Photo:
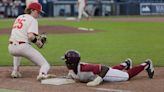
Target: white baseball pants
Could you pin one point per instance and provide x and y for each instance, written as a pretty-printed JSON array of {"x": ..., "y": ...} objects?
[
  {"x": 81, "y": 12},
  {"x": 27, "y": 51},
  {"x": 114, "y": 75}
]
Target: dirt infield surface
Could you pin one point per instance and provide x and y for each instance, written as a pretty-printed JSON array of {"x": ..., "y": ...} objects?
[
  {"x": 28, "y": 83},
  {"x": 55, "y": 30}
]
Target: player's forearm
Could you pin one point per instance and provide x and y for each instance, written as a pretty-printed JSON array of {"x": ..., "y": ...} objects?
[
  {"x": 72, "y": 75},
  {"x": 99, "y": 77},
  {"x": 104, "y": 70},
  {"x": 96, "y": 81},
  {"x": 33, "y": 38}
]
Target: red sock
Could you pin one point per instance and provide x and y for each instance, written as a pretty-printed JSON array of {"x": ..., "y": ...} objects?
[
  {"x": 119, "y": 67},
  {"x": 135, "y": 70}
]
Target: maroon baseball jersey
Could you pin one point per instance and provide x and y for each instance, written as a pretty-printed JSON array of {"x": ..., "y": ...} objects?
[{"x": 87, "y": 72}]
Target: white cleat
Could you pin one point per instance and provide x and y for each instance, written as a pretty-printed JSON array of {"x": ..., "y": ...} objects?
[
  {"x": 45, "y": 76},
  {"x": 41, "y": 77},
  {"x": 16, "y": 74}
]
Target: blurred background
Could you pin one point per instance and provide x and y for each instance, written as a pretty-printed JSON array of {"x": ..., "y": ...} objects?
[{"x": 55, "y": 8}]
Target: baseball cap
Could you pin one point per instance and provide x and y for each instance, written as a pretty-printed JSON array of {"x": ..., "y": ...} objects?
[{"x": 35, "y": 5}]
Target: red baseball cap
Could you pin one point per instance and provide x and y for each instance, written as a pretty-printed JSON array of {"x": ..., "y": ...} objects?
[{"x": 36, "y": 6}]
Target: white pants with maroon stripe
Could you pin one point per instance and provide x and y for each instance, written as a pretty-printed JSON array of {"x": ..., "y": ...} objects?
[
  {"x": 114, "y": 75},
  {"x": 27, "y": 51}
]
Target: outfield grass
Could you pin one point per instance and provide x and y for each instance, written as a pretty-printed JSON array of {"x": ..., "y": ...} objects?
[{"x": 115, "y": 42}]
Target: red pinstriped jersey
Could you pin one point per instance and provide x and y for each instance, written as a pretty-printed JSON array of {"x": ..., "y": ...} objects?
[{"x": 23, "y": 25}]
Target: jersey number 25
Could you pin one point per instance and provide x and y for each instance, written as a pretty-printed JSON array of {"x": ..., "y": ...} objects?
[{"x": 18, "y": 23}]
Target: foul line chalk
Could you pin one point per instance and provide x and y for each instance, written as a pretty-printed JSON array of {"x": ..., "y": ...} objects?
[{"x": 111, "y": 90}]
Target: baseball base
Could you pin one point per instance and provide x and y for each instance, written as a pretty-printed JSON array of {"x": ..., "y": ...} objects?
[
  {"x": 57, "y": 81},
  {"x": 85, "y": 29}
]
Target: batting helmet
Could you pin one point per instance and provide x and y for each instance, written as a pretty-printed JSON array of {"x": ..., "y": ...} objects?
[
  {"x": 72, "y": 56},
  {"x": 36, "y": 6}
]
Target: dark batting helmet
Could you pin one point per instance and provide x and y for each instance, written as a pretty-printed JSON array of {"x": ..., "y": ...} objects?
[{"x": 72, "y": 56}]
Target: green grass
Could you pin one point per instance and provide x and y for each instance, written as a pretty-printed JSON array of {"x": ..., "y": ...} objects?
[{"x": 115, "y": 42}]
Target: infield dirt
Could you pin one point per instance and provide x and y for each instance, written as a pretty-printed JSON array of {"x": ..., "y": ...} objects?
[{"x": 28, "y": 82}]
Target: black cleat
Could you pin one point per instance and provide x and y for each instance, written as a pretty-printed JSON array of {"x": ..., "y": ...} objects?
[
  {"x": 128, "y": 62},
  {"x": 150, "y": 68}
]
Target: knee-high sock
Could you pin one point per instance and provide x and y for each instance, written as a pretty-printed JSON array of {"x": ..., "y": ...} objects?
[
  {"x": 119, "y": 67},
  {"x": 136, "y": 70},
  {"x": 16, "y": 63}
]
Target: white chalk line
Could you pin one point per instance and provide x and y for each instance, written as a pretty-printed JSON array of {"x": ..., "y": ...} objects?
[{"x": 111, "y": 90}]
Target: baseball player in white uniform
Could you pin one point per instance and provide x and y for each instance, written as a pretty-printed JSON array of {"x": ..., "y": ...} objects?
[
  {"x": 81, "y": 9},
  {"x": 94, "y": 74},
  {"x": 25, "y": 31}
]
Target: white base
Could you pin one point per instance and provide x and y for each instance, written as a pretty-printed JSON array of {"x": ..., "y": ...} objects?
[
  {"x": 70, "y": 18},
  {"x": 85, "y": 29},
  {"x": 57, "y": 81}
]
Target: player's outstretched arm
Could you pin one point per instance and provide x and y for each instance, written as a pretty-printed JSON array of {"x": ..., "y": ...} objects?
[{"x": 99, "y": 77}]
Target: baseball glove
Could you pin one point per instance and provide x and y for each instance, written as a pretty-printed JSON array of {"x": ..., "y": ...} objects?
[{"x": 43, "y": 38}]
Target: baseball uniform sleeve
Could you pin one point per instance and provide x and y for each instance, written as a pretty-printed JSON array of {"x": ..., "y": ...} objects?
[
  {"x": 95, "y": 68},
  {"x": 33, "y": 28}
]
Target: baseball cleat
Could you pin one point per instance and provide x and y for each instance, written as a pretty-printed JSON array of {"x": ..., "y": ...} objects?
[
  {"x": 41, "y": 77},
  {"x": 128, "y": 62},
  {"x": 45, "y": 76},
  {"x": 16, "y": 74},
  {"x": 150, "y": 68}
]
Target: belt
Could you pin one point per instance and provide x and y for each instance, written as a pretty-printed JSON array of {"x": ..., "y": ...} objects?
[{"x": 17, "y": 42}]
